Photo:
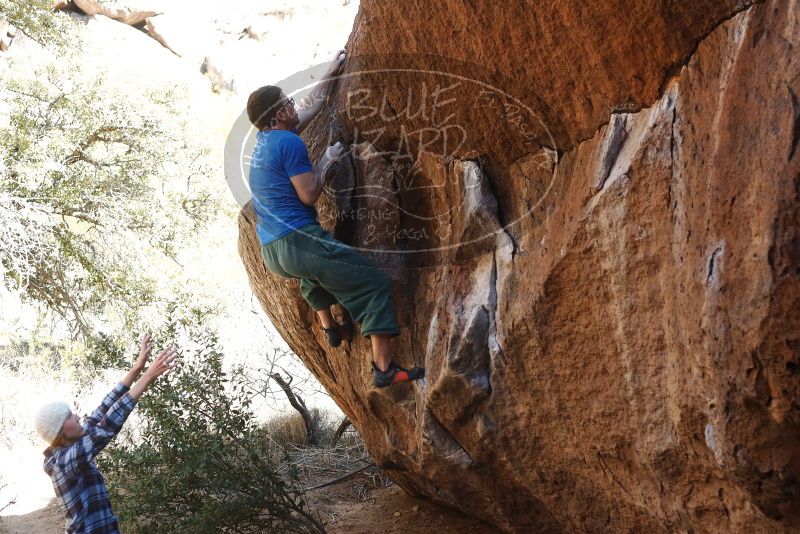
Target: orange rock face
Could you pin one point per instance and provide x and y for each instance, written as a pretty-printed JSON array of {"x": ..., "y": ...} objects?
[{"x": 591, "y": 216}]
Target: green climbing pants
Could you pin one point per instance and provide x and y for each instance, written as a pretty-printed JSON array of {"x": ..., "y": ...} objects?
[{"x": 331, "y": 271}]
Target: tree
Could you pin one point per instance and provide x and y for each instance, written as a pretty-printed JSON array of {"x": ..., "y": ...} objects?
[
  {"x": 298, "y": 404},
  {"x": 37, "y": 20},
  {"x": 97, "y": 188}
]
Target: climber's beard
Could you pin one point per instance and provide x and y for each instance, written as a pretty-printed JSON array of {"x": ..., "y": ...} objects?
[{"x": 294, "y": 119}]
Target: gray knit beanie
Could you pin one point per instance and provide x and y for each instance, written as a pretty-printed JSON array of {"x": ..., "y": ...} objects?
[{"x": 50, "y": 418}]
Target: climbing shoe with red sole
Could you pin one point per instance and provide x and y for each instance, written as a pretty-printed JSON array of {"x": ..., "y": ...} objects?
[{"x": 395, "y": 375}]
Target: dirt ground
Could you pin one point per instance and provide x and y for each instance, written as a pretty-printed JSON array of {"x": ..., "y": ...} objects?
[
  {"x": 357, "y": 506},
  {"x": 47, "y": 520},
  {"x": 361, "y": 505}
]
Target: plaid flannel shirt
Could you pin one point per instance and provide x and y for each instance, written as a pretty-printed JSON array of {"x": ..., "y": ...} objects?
[{"x": 79, "y": 486}]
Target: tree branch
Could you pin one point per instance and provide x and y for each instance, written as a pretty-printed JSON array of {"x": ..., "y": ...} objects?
[
  {"x": 340, "y": 479},
  {"x": 340, "y": 430},
  {"x": 298, "y": 404}
]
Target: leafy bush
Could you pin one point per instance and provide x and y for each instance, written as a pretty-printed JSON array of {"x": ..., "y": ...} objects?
[{"x": 199, "y": 463}]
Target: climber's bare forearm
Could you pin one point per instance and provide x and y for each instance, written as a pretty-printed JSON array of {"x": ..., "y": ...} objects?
[
  {"x": 317, "y": 191},
  {"x": 308, "y": 186},
  {"x": 312, "y": 104},
  {"x": 320, "y": 169}
]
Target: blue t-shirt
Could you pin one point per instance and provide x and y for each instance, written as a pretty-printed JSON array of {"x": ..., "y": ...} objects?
[{"x": 277, "y": 156}]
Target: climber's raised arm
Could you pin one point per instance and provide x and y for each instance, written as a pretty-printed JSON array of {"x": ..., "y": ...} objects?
[{"x": 312, "y": 103}]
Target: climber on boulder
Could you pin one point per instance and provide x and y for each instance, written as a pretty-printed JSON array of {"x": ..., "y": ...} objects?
[{"x": 285, "y": 186}]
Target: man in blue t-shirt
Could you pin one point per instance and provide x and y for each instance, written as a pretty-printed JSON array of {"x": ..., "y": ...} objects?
[{"x": 285, "y": 185}]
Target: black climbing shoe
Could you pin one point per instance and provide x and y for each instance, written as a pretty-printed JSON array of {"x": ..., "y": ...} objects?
[
  {"x": 334, "y": 336},
  {"x": 347, "y": 330},
  {"x": 338, "y": 332},
  {"x": 395, "y": 375}
]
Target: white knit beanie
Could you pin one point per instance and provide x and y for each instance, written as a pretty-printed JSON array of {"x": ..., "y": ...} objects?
[{"x": 50, "y": 418}]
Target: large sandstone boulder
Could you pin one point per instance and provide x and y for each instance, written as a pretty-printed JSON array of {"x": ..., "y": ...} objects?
[{"x": 594, "y": 239}]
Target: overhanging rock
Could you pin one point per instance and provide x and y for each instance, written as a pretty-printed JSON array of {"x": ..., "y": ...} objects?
[{"x": 602, "y": 276}]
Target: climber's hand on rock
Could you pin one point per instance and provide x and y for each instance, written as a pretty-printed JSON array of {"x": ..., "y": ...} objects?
[
  {"x": 332, "y": 153},
  {"x": 337, "y": 62},
  {"x": 335, "y": 151}
]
